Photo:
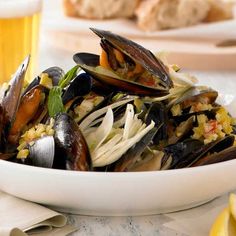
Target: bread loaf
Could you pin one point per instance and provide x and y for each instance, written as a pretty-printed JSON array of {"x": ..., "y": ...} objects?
[
  {"x": 100, "y": 9},
  {"x": 165, "y": 14},
  {"x": 153, "y": 15},
  {"x": 219, "y": 10}
]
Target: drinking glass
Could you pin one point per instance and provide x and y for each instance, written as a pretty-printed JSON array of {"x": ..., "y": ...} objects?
[{"x": 19, "y": 35}]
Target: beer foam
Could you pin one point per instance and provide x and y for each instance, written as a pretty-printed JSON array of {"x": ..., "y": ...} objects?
[{"x": 19, "y": 8}]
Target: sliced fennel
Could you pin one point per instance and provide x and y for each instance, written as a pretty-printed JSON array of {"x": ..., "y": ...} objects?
[
  {"x": 96, "y": 138},
  {"x": 115, "y": 152},
  {"x": 108, "y": 143},
  {"x": 92, "y": 117},
  {"x": 128, "y": 121}
]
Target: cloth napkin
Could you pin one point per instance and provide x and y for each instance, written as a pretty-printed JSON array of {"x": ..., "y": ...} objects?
[
  {"x": 21, "y": 218},
  {"x": 197, "y": 221}
]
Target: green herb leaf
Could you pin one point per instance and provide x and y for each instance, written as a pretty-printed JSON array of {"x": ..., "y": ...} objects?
[
  {"x": 55, "y": 104},
  {"x": 68, "y": 77}
]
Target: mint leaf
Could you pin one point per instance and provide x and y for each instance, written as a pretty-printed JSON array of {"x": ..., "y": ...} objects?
[{"x": 55, "y": 104}]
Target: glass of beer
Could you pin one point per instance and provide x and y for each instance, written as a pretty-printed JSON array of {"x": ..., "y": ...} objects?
[{"x": 19, "y": 35}]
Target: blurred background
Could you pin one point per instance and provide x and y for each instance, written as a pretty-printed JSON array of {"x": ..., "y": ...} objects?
[{"x": 194, "y": 36}]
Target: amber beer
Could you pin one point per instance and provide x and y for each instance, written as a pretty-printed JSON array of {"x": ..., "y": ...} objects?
[{"x": 19, "y": 35}]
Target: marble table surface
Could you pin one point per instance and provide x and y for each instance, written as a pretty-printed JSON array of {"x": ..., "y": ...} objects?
[{"x": 142, "y": 225}]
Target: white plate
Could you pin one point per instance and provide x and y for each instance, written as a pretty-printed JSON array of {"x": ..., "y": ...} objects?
[{"x": 141, "y": 193}]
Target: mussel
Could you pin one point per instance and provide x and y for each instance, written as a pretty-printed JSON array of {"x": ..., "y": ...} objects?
[
  {"x": 127, "y": 112},
  {"x": 194, "y": 100},
  {"x": 10, "y": 103},
  {"x": 80, "y": 86},
  {"x": 65, "y": 149},
  {"x": 218, "y": 151},
  {"x": 48, "y": 78},
  {"x": 158, "y": 113},
  {"x": 179, "y": 151},
  {"x": 32, "y": 102},
  {"x": 28, "y": 108},
  {"x": 71, "y": 142},
  {"x": 126, "y": 66},
  {"x": 213, "y": 152}
]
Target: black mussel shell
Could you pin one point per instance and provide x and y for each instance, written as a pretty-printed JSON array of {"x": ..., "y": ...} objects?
[
  {"x": 55, "y": 73},
  {"x": 80, "y": 86},
  {"x": 181, "y": 150},
  {"x": 11, "y": 101},
  {"x": 90, "y": 62},
  {"x": 217, "y": 151},
  {"x": 138, "y": 54},
  {"x": 70, "y": 144},
  {"x": 33, "y": 84},
  {"x": 225, "y": 155},
  {"x": 206, "y": 150},
  {"x": 157, "y": 112},
  {"x": 194, "y": 95},
  {"x": 179, "y": 132}
]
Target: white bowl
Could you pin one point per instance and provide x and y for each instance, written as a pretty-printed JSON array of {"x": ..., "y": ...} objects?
[{"x": 140, "y": 193}]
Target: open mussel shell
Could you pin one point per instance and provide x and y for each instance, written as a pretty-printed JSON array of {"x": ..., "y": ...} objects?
[
  {"x": 175, "y": 134},
  {"x": 32, "y": 106},
  {"x": 139, "y": 54},
  {"x": 42, "y": 152},
  {"x": 27, "y": 111},
  {"x": 195, "y": 101},
  {"x": 90, "y": 63},
  {"x": 11, "y": 101},
  {"x": 217, "y": 151},
  {"x": 179, "y": 151},
  {"x": 71, "y": 144},
  {"x": 80, "y": 86},
  {"x": 225, "y": 155},
  {"x": 197, "y": 94},
  {"x": 54, "y": 73},
  {"x": 194, "y": 158},
  {"x": 66, "y": 149},
  {"x": 157, "y": 112}
]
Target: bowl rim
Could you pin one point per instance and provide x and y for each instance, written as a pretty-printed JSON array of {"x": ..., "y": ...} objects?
[{"x": 190, "y": 170}]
